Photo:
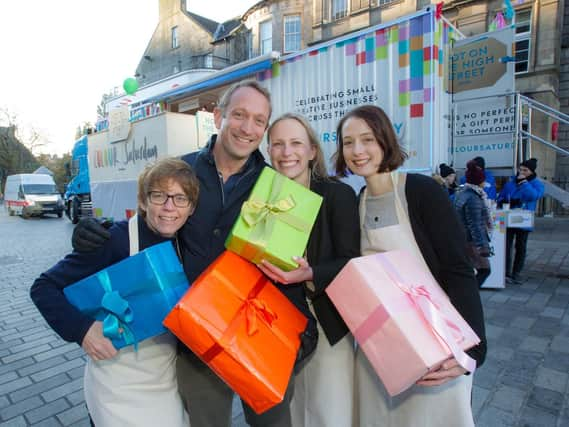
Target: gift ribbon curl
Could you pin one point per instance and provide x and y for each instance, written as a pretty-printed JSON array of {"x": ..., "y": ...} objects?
[
  {"x": 255, "y": 211},
  {"x": 119, "y": 313},
  {"x": 252, "y": 309},
  {"x": 435, "y": 319}
]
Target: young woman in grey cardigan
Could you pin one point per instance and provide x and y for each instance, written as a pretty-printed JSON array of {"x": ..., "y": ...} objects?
[{"x": 410, "y": 212}]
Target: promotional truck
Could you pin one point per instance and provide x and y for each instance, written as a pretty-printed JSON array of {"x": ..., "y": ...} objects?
[
  {"x": 116, "y": 156},
  {"x": 30, "y": 194},
  {"x": 401, "y": 66}
]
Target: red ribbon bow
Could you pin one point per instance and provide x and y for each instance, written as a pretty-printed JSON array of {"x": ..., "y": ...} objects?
[{"x": 254, "y": 309}]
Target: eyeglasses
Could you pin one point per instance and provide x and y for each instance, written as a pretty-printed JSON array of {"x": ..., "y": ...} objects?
[{"x": 160, "y": 198}]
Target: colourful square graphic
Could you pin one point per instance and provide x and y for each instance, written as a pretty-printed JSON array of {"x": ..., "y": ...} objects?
[
  {"x": 393, "y": 34},
  {"x": 416, "y": 43},
  {"x": 350, "y": 49},
  {"x": 404, "y": 32},
  {"x": 416, "y": 110},
  {"x": 416, "y": 27},
  {"x": 380, "y": 38},
  {"x": 381, "y": 52},
  {"x": 404, "y": 86},
  {"x": 416, "y": 63},
  {"x": 403, "y": 47}
]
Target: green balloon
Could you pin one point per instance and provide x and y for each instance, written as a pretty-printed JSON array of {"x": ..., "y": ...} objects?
[{"x": 130, "y": 85}]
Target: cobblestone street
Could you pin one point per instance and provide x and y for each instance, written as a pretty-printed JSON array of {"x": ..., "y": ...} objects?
[{"x": 524, "y": 381}]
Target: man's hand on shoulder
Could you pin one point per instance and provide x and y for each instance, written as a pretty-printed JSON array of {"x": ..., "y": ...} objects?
[{"x": 90, "y": 234}]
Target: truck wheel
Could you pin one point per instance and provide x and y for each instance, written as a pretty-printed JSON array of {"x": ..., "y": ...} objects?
[
  {"x": 10, "y": 212},
  {"x": 74, "y": 211},
  {"x": 60, "y": 214}
]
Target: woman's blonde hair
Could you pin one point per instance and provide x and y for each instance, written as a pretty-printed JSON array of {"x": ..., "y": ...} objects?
[
  {"x": 317, "y": 165},
  {"x": 157, "y": 175}
]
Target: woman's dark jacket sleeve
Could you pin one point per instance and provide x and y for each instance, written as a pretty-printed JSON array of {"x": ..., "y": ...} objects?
[
  {"x": 341, "y": 212},
  {"x": 47, "y": 290},
  {"x": 441, "y": 239},
  {"x": 334, "y": 240}
]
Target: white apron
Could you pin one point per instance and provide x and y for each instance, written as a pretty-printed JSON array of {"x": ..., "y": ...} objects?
[
  {"x": 420, "y": 406},
  {"x": 323, "y": 389},
  {"x": 136, "y": 388}
]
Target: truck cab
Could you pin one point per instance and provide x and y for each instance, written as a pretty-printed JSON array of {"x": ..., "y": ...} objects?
[{"x": 78, "y": 191}]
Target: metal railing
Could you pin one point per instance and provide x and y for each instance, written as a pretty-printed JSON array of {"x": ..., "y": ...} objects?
[
  {"x": 557, "y": 190},
  {"x": 526, "y": 109}
]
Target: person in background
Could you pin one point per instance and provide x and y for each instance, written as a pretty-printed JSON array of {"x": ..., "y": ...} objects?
[
  {"x": 323, "y": 390},
  {"x": 447, "y": 179},
  {"x": 409, "y": 212},
  {"x": 126, "y": 387},
  {"x": 472, "y": 209},
  {"x": 521, "y": 191},
  {"x": 490, "y": 181}
]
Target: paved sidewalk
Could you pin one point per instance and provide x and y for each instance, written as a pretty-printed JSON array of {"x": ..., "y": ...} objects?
[{"x": 524, "y": 381}]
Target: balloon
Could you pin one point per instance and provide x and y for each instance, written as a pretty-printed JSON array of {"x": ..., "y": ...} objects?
[{"x": 130, "y": 86}]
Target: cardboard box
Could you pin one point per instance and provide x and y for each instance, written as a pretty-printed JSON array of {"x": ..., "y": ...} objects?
[
  {"x": 398, "y": 314},
  {"x": 134, "y": 294},
  {"x": 520, "y": 218},
  {"x": 243, "y": 327},
  {"x": 275, "y": 222}
]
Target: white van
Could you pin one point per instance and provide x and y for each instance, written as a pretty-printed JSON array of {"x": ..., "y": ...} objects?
[{"x": 29, "y": 194}]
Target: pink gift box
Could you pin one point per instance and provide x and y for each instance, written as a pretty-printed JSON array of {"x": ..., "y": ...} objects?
[{"x": 400, "y": 317}]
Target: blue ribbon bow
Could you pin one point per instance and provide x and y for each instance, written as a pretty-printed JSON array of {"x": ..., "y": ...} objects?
[{"x": 119, "y": 313}]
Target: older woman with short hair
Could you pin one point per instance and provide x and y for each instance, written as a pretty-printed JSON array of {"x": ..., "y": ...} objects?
[{"x": 125, "y": 387}]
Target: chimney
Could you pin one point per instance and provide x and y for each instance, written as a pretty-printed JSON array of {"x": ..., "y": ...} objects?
[{"x": 168, "y": 8}]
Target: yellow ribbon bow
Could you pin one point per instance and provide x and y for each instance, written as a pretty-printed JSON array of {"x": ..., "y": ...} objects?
[{"x": 256, "y": 211}]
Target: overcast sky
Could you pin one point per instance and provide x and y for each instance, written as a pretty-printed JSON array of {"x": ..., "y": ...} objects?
[{"x": 60, "y": 56}]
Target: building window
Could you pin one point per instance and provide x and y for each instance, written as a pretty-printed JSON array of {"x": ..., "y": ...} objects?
[
  {"x": 175, "y": 41},
  {"x": 208, "y": 61},
  {"x": 266, "y": 37},
  {"x": 339, "y": 9},
  {"x": 249, "y": 41},
  {"x": 292, "y": 33},
  {"x": 380, "y": 2},
  {"x": 523, "y": 36},
  {"x": 362, "y": 4}
]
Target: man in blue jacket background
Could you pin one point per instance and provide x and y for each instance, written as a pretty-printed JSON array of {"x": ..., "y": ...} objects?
[{"x": 521, "y": 191}]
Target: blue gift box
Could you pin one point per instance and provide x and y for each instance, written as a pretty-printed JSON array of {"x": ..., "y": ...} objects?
[{"x": 133, "y": 296}]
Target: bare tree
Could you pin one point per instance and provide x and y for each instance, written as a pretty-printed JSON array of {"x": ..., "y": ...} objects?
[
  {"x": 102, "y": 107},
  {"x": 27, "y": 133}
]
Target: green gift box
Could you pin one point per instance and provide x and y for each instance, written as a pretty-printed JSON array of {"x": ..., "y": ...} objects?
[{"x": 275, "y": 222}]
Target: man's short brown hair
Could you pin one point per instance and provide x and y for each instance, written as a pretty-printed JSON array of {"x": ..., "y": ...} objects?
[{"x": 225, "y": 99}]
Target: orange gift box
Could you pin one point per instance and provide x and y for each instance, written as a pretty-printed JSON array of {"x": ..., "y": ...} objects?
[{"x": 243, "y": 327}]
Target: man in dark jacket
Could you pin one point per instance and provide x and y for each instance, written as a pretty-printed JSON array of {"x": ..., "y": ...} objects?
[{"x": 227, "y": 169}]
